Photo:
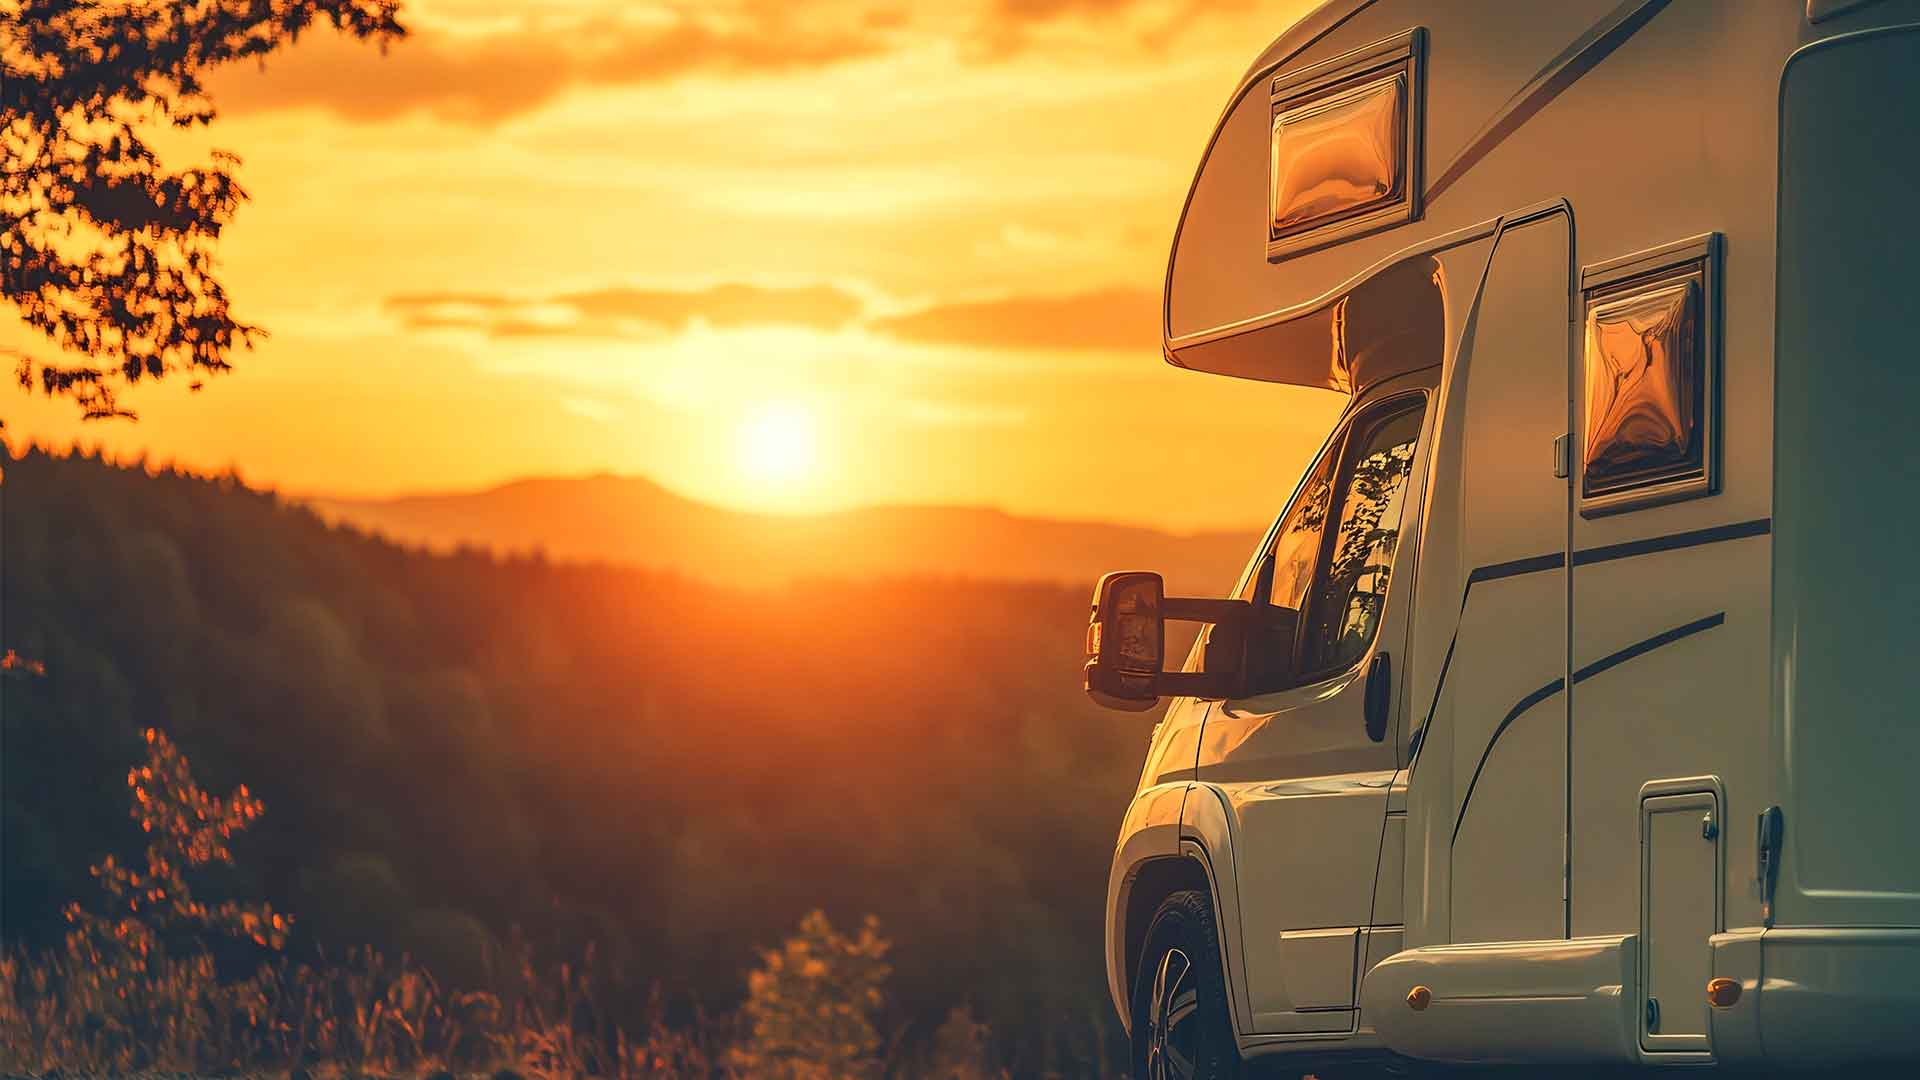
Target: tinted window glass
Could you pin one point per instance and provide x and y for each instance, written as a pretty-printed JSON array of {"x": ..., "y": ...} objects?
[
  {"x": 1283, "y": 574},
  {"x": 1296, "y": 547},
  {"x": 1344, "y": 602}
]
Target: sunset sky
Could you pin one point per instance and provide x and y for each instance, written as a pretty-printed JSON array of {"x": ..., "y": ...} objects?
[{"x": 774, "y": 255}]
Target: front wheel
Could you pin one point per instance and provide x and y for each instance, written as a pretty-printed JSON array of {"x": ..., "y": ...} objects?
[{"x": 1181, "y": 1027}]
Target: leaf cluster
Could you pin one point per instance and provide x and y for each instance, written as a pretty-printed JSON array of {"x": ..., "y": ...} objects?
[{"x": 104, "y": 249}]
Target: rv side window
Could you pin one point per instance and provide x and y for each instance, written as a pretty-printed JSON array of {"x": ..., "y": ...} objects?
[{"x": 1344, "y": 603}]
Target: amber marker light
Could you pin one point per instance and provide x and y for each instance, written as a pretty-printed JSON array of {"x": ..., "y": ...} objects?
[
  {"x": 1419, "y": 998},
  {"x": 1723, "y": 992}
]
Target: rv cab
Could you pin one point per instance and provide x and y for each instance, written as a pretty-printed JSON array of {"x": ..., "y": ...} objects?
[{"x": 1566, "y": 710}]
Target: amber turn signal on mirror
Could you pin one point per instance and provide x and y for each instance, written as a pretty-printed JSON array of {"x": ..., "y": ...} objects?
[{"x": 1723, "y": 992}]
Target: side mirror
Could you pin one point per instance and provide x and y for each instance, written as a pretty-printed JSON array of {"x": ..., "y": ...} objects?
[{"x": 1127, "y": 642}]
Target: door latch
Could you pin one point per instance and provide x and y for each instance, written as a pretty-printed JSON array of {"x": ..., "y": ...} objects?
[
  {"x": 1767, "y": 860},
  {"x": 1563, "y": 456}
]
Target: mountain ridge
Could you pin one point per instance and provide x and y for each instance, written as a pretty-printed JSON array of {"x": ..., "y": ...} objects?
[{"x": 634, "y": 521}]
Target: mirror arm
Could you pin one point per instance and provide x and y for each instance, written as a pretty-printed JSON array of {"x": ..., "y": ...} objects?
[
  {"x": 1239, "y": 615},
  {"x": 1235, "y": 623},
  {"x": 1199, "y": 609}
]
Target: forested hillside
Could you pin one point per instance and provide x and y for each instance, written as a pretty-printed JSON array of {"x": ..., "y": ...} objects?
[{"x": 450, "y": 747}]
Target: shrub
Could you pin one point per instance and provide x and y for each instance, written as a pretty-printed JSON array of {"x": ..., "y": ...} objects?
[
  {"x": 961, "y": 1049},
  {"x": 812, "y": 1004},
  {"x": 135, "y": 984}
]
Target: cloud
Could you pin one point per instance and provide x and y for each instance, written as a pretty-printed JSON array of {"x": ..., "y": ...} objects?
[
  {"x": 484, "y": 73},
  {"x": 1052, "y": 9},
  {"x": 689, "y": 47},
  {"x": 1116, "y": 318},
  {"x": 482, "y": 79},
  {"x": 482, "y": 301},
  {"x": 626, "y": 312},
  {"x": 1100, "y": 319},
  {"x": 1013, "y": 27},
  {"x": 819, "y": 306}
]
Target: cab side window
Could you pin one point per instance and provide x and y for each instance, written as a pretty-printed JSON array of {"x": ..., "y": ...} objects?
[
  {"x": 1285, "y": 573},
  {"x": 1342, "y": 606},
  {"x": 1296, "y": 546}
]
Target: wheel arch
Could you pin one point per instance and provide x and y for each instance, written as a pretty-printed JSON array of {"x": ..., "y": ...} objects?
[
  {"x": 1154, "y": 881},
  {"x": 1143, "y": 876},
  {"x": 1206, "y": 837}
]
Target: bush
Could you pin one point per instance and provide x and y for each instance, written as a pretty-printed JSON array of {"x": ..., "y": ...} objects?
[
  {"x": 136, "y": 984},
  {"x": 812, "y": 1003},
  {"x": 961, "y": 1049}
]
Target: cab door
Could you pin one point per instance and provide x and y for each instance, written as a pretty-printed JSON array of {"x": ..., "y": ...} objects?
[{"x": 1303, "y": 781}]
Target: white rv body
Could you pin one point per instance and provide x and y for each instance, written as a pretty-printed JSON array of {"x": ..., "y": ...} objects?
[{"x": 1643, "y": 734}]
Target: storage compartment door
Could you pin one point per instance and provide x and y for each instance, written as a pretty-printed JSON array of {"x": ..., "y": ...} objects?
[{"x": 1680, "y": 883}]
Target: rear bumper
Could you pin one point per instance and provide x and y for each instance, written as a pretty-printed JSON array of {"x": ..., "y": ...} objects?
[{"x": 1816, "y": 996}]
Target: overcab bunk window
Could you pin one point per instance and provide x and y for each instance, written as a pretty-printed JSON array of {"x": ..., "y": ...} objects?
[{"x": 1346, "y": 146}]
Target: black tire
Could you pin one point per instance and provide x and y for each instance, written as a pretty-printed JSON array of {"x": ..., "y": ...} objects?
[{"x": 1182, "y": 1029}]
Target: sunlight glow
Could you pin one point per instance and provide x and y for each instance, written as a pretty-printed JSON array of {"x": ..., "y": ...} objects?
[{"x": 779, "y": 441}]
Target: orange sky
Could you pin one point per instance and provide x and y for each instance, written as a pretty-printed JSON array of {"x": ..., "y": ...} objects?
[{"x": 595, "y": 235}]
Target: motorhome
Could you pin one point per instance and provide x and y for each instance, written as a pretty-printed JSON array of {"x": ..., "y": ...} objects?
[{"x": 1568, "y": 710}]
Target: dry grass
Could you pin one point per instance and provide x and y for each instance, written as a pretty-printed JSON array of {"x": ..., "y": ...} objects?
[{"x": 365, "y": 1015}]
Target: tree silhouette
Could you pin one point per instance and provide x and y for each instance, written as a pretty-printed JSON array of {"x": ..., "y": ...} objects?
[{"x": 103, "y": 249}]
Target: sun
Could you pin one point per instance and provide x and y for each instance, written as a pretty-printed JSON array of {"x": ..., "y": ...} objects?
[{"x": 779, "y": 441}]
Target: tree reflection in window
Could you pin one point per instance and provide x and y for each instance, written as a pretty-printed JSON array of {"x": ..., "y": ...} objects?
[
  {"x": 1297, "y": 546},
  {"x": 1347, "y": 596}
]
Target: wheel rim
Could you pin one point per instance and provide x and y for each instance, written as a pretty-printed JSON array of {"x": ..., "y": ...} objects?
[{"x": 1172, "y": 1015}]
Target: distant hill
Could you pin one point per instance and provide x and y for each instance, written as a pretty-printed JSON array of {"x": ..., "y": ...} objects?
[{"x": 632, "y": 521}]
